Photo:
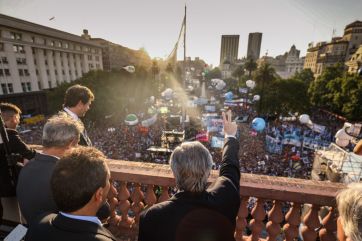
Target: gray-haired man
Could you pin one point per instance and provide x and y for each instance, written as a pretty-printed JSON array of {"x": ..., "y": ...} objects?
[
  {"x": 60, "y": 134},
  {"x": 197, "y": 212}
]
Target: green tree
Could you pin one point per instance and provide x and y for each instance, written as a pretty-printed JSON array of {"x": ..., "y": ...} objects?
[
  {"x": 215, "y": 73},
  {"x": 306, "y": 76},
  {"x": 238, "y": 72},
  {"x": 250, "y": 65}
]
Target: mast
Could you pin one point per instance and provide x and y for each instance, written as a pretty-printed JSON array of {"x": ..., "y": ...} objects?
[{"x": 184, "y": 80}]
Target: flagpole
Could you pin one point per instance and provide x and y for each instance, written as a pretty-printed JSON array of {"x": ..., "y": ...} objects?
[{"x": 184, "y": 80}]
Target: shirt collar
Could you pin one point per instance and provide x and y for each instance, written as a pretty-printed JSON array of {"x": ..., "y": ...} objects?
[
  {"x": 93, "y": 219},
  {"x": 72, "y": 114}
]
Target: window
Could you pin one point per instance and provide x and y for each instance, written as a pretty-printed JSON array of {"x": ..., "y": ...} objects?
[
  {"x": 52, "y": 43},
  {"x": 1, "y": 72},
  {"x": 50, "y": 84},
  {"x": 7, "y": 72},
  {"x": 45, "y": 52},
  {"x": 16, "y": 36},
  {"x": 21, "y": 60},
  {"x": 10, "y": 88},
  {"x": 97, "y": 58},
  {"x": 48, "y": 72},
  {"x": 23, "y": 86},
  {"x": 89, "y": 57},
  {"x": 70, "y": 72},
  {"x": 26, "y": 72},
  {"x": 21, "y": 72},
  {"x": 4, "y": 60},
  {"x": 1, "y": 46},
  {"x": 34, "y": 61},
  {"x": 32, "y": 39},
  {"x": 63, "y": 72},
  {"x": 28, "y": 86},
  {"x": 37, "y": 72},
  {"x": 4, "y": 89},
  {"x": 39, "y": 85},
  {"x": 46, "y": 62},
  {"x": 56, "y": 72},
  {"x": 66, "y": 45},
  {"x": 33, "y": 50},
  {"x": 90, "y": 66},
  {"x": 18, "y": 48},
  {"x": 59, "y": 44}
]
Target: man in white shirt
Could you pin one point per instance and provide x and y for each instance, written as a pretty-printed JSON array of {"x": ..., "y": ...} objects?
[{"x": 77, "y": 101}]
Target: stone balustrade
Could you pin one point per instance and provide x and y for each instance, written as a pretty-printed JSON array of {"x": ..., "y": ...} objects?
[{"x": 272, "y": 208}]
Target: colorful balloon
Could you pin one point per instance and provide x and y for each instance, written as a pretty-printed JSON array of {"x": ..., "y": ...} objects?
[{"x": 258, "y": 124}]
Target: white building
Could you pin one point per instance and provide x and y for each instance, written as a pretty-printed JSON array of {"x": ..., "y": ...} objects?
[{"x": 35, "y": 57}]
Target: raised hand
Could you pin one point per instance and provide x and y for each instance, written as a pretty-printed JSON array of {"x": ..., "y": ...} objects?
[{"x": 230, "y": 127}]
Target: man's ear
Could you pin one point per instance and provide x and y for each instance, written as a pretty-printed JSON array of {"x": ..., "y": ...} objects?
[{"x": 98, "y": 195}]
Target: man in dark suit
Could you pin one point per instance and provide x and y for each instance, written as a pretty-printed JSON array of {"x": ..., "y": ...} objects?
[
  {"x": 60, "y": 134},
  {"x": 195, "y": 213},
  {"x": 77, "y": 101},
  {"x": 80, "y": 184},
  {"x": 8, "y": 178}
]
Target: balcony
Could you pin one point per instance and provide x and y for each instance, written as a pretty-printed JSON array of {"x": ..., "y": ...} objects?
[{"x": 291, "y": 202}]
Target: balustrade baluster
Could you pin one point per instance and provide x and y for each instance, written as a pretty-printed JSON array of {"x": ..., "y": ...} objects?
[
  {"x": 275, "y": 218},
  {"x": 113, "y": 202},
  {"x": 311, "y": 223},
  {"x": 124, "y": 204},
  {"x": 137, "y": 204},
  {"x": 327, "y": 233},
  {"x": 150, "y": 198},
  {"x": 241, "y": 218},
  {"x": 164, "y": 195},
  {"x": 256, "y": 223},
  {"x": 291, "y": 228}
]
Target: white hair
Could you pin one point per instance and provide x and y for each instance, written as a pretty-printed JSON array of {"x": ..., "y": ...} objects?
[
  {"x": 60, "y": 131},
  {"x": 349, "y": 203},
  {"x": 191, "y": 164}
]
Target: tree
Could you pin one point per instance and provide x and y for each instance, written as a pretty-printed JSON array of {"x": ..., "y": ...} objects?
[
  {"x": 306, "y": 76},
  {"x": 250, "y": 66},
  {"x": 169, "y": 68},
  {"x": 215, "y": 73},
  {"x": 238, "y": 72},
  {"x": 155, "y": 69}
]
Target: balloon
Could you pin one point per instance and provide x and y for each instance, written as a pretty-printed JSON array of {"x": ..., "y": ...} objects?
[
  {"x": 304, "y": 119},
  {"x": 152, "y": 99},
  {"x": 258, "y": 124},
  {"x": 167, "y": 94},
  {"x": 218, "y": 83},
  {"x": 360, "y": 72},
  {"x": 250, "y": 83},
  {"x": 342, "y": 142},
  {"x": 131, "y": 119},
  {"x": 229, "y": 95},
  {"x": 341, "y": 134},
  {"x": 256, "y": 97},
  {"x": 190, "y": 87},
  {"x": 130, "y": 68}
]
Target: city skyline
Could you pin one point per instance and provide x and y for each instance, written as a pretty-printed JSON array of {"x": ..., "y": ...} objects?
[{"x": 155, "y": 25}]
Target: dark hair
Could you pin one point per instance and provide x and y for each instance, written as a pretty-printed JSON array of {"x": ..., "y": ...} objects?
[
  {"x": 77, "y": 176},
  {"x": 77, "y": 93}
]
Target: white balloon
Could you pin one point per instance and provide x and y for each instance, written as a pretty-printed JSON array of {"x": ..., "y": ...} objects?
[
  {"x": 130, "y": 68},
  {"x": 256, "y": 97},
  {"x": 167, "y": 94},
  {"x": 342, "y": 142},
  {"x": 304, "y": 119},
  {"x": 250, "y": 83},
  {"x": 341, "y": 134},
  {"x": 152, "y": 99}
]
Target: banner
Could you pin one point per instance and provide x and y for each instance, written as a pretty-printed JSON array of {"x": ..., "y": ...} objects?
[
  {"x": 217, "y": 142},
  {"x": 243, "y": 90},
  {"x": 150, "y": 121},
  {"x": 316, "y": 127},
  {"x": 210, "y": 108},
  {"x": 273, "y": 145},
  {"x": 216, "y": 125},
  {"x": 202, "y": 136}
]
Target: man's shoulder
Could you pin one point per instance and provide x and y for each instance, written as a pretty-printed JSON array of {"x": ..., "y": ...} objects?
[{"x": 158, "y": 209}]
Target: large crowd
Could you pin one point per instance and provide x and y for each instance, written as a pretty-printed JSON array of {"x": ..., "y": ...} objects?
[{"x": 120, "y": 141}]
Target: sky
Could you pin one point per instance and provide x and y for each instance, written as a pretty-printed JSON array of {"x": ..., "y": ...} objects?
[{"x": 155, "y": 24}]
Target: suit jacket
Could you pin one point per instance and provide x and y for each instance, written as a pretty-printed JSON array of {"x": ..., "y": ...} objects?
[
  {"x": 17, "y": 146},
  {"x": 84, "y": 139},
  {"x": 210, "y": 215},
  {"x": 57, "y": 227},
  {"x": 33, "y": 189}
]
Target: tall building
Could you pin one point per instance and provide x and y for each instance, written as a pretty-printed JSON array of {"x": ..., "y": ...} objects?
[
  {"x": 254, "y": 44},
  {"x": 355, "y": 63},
  {"x": 35, "y": 57},
  {"x": 353, "y": 34},
  {"x": 229, "y": 48}
]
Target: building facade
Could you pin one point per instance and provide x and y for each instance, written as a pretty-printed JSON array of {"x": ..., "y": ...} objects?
[
  {"x": 355, "y": 63},
  {"x": 35, "y": 57},
  {"x": 254, "y": 44},
  {"x": 285, "y": 65},
  {"x": 229, "y": 48},
  {"x": 338, "y": 51}
]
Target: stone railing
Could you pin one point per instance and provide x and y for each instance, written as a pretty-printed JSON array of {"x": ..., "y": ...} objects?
[{"x": 292, "y": 202}]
